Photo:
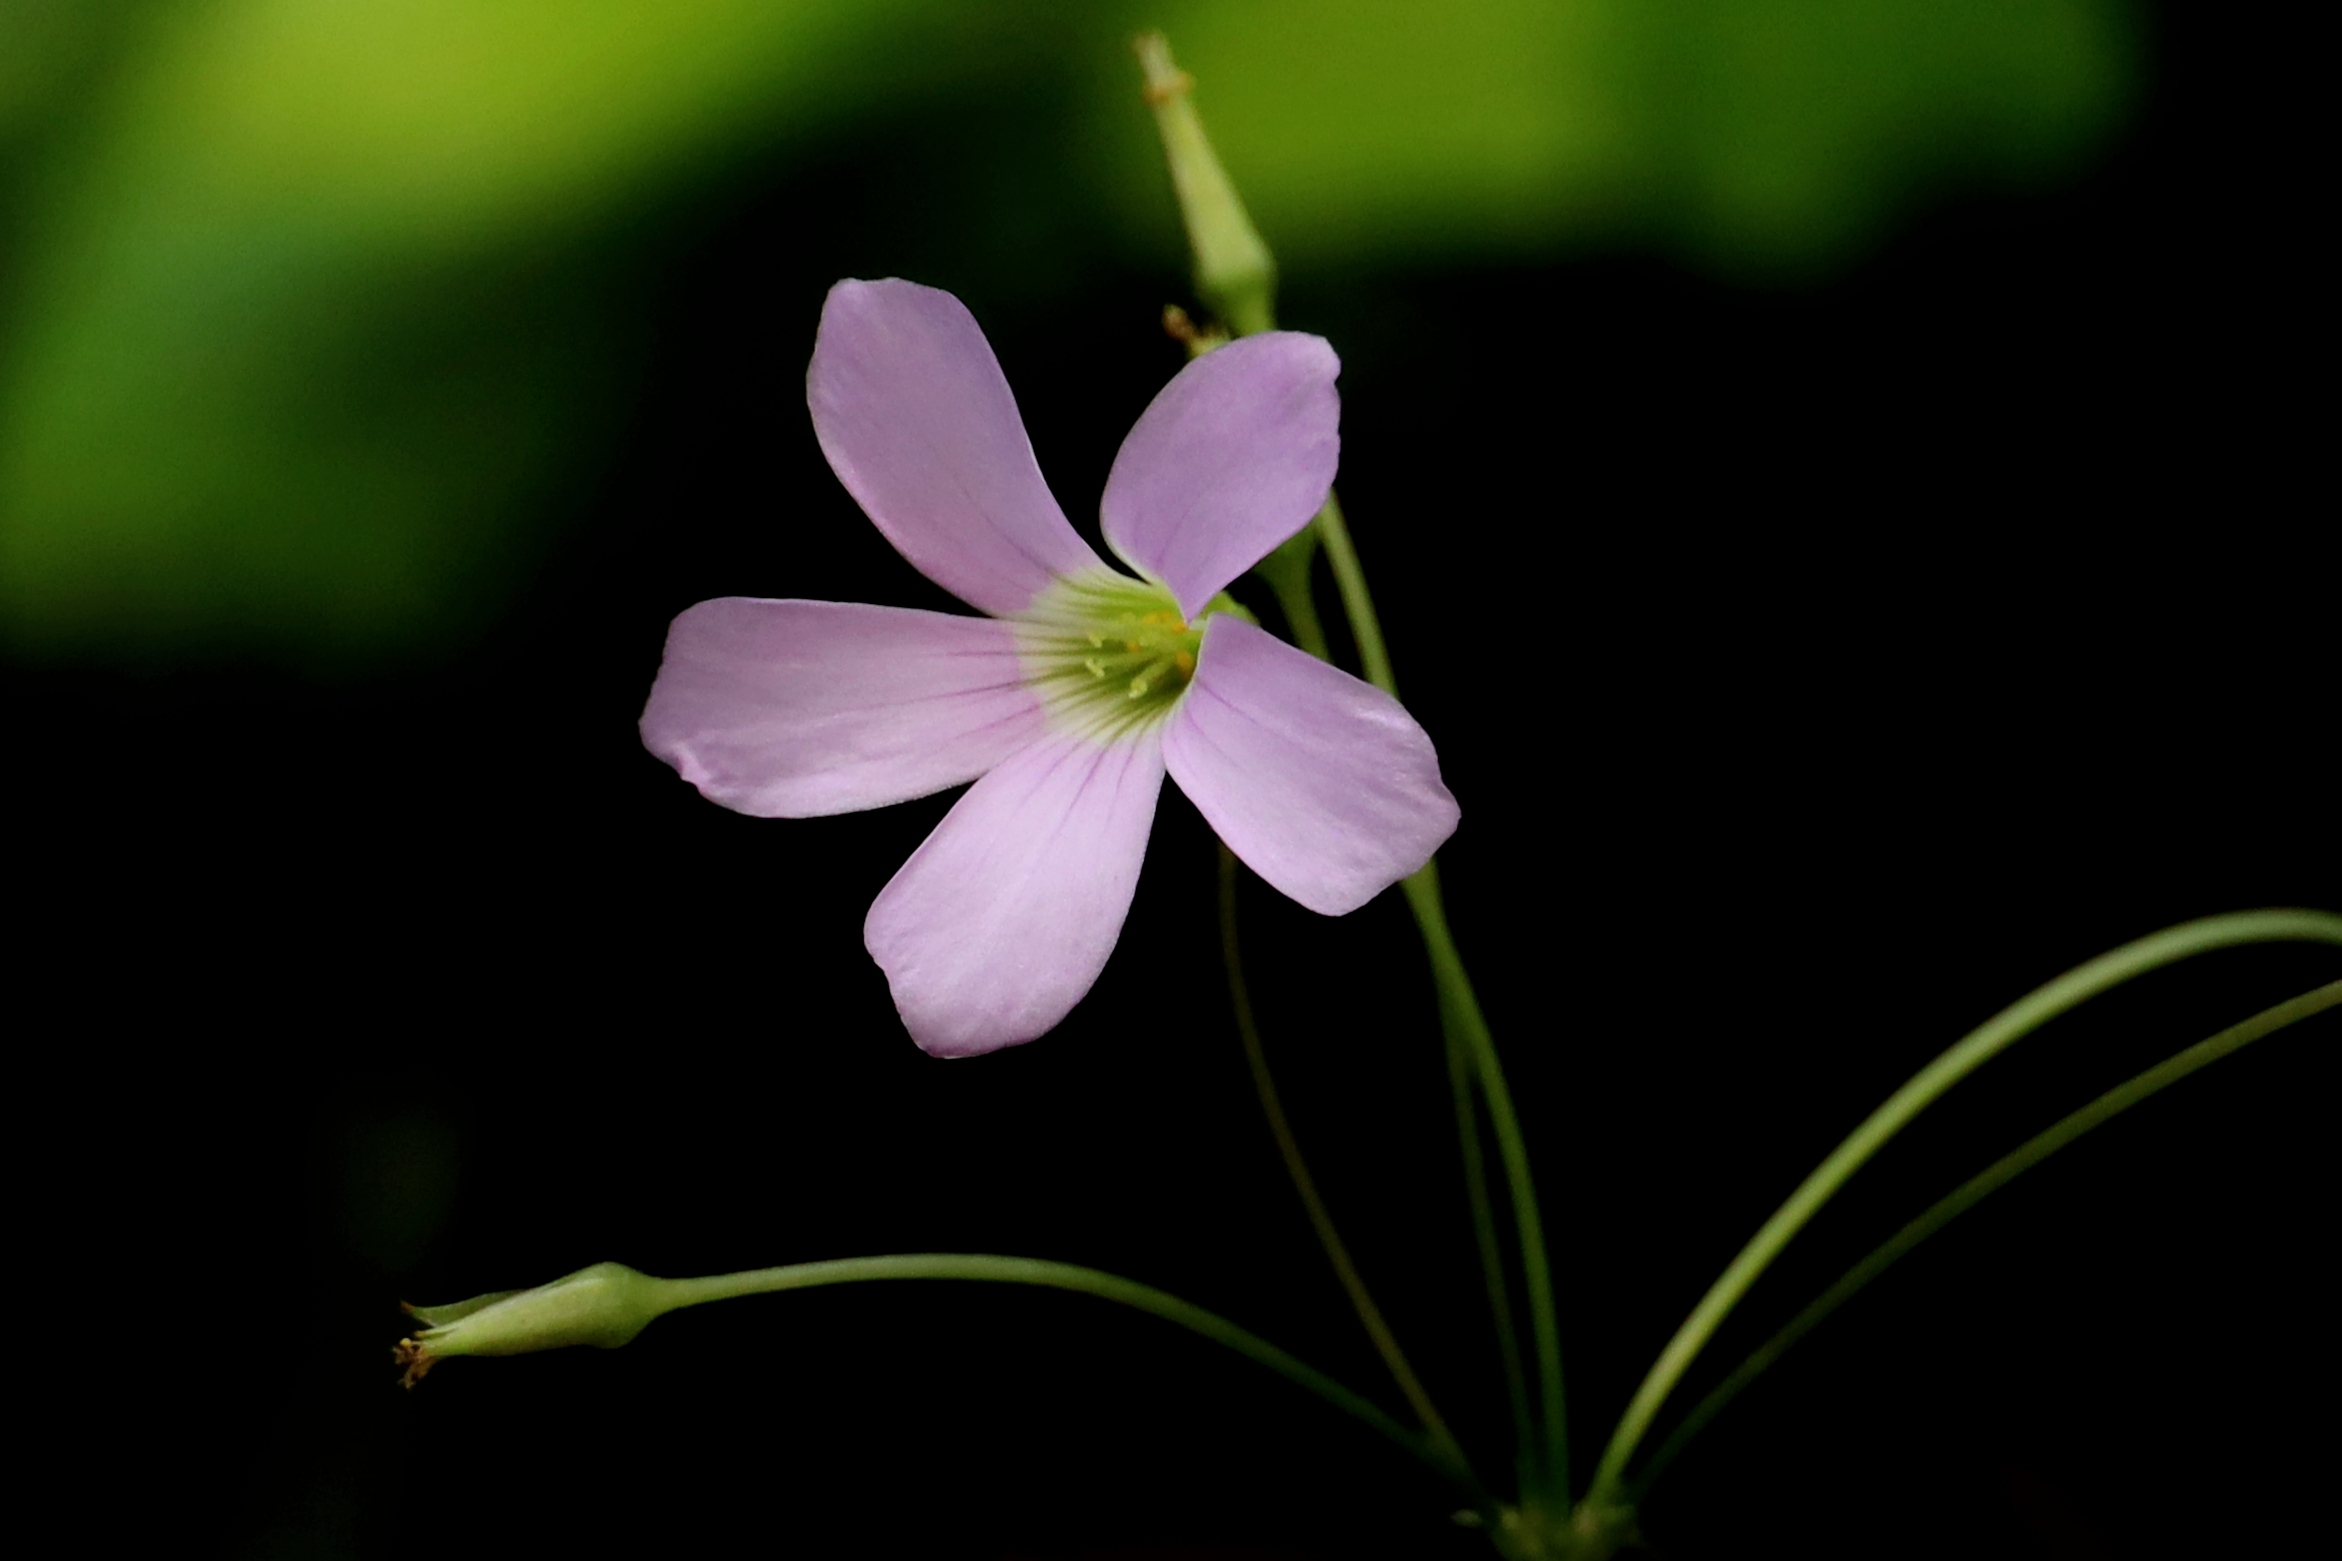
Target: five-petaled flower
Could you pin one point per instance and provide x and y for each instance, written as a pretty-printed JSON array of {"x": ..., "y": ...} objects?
[{"x": 1067, "y": 705}]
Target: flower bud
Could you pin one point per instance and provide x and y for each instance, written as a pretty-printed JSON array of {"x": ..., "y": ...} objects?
[
  {"x": 1234, "y": 273},
  {"x": 604, "y": 1306}
]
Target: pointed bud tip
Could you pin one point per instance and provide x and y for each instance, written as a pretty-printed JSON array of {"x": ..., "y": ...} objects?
[
  {"x": 1234, "y": 272},
  {"x": 1165, "y": 80}
]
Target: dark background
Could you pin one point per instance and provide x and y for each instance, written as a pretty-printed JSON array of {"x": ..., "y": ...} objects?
[{"x": 1819, "y": 669}]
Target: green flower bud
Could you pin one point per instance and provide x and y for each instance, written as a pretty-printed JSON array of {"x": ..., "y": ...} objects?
[
  {"x": 604, "y": 1306},
  {"x": 1234, "y": 273}
]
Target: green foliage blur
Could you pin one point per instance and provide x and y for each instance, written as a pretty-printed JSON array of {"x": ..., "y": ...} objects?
[{"x": 315, "y": 314}]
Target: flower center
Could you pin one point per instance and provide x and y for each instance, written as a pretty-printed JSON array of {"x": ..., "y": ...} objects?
[{"x": 1106, "y": 653}]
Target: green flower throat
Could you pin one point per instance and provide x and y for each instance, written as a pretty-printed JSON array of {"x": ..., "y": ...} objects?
[{"x": 1108, "y": 654}]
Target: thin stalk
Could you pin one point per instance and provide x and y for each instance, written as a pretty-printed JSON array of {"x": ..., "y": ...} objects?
[
  {"x": 1461, "y": 1019},
  {"x": 1288, "y": 576},
  {"x": 1972, "y": 1051},
  {"x": 1972, "y": 1192},
  {"x": 1321, "y": 1219},
  {"x": 1374, "y": 658},
  {"x": 1500, "y": 1303},
  {"x": 984, "y": 1267}
]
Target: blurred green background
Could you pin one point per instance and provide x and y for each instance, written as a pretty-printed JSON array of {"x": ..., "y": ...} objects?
[{"x": 316, "y": 318}]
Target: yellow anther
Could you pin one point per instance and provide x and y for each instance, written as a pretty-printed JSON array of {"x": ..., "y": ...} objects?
[{"x": 1184, "y": 662}]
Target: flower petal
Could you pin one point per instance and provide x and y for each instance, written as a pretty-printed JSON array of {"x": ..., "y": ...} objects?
[
  {"x": 1324, "y": 785},
  {"x": 1002, "y": 919},
  {"x": 790, "y": 709},
  {"x": 1233, "y": 457},
  {"x": 917, "y": 421}
]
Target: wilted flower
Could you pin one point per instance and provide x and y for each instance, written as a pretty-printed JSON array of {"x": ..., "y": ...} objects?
[{"x": 1068, "y": 704}]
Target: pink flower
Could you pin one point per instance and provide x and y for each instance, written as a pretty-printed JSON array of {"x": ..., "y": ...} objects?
[{"x": 1070, "y": 701}]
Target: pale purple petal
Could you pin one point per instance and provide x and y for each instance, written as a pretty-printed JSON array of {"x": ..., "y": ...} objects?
[
  {"x": 1233, "y": 457},
  {"x": 1324, "y": 785},
  {"x": 917, "y": 421},
  {"x": 999, "y": 923},
  {"x": 790, "y": 709}
]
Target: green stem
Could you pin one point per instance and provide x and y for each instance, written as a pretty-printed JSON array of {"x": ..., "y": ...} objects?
[
  {"x": 1500, "y": 1305},
  {"x": 1374, "y": 658},
  {"x": 1286, "y": 570},
  {"x": 1979, "y": 1046},
  {"x": 1461, "y": 1019},
  {"x": 1321, "y": 1219},
  {"x": 1972, "y": 1192},
  {"x": 984, "y": 1267}
]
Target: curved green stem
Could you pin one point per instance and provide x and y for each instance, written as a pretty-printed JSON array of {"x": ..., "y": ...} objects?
[
  {"x": 1321, "y": 1219},
  {"x": 1972, "y": 1192},
  {"x": 990, "y": 1268},
  {"x": 1972, "y": 1051}
]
